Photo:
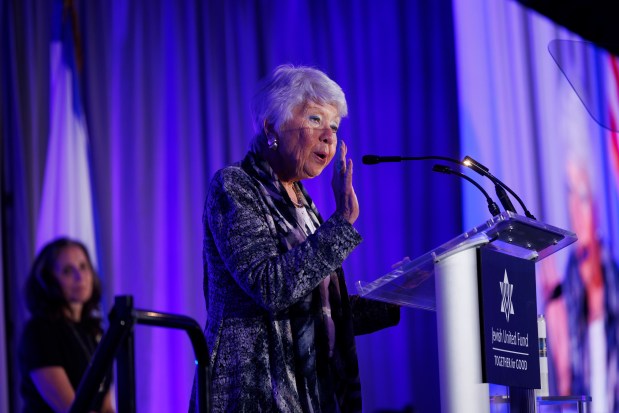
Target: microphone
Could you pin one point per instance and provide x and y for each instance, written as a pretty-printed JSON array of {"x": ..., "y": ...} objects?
[
  {"x": 492, "y": 206},
  {"x": 499, "y": 186},
  {"x": 374, "y": 159}
]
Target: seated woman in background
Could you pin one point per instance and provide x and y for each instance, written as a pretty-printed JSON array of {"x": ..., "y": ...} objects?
[{"x": 63, "y": 294}]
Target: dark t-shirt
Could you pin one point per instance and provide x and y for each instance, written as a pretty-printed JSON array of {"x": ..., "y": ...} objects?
[{"x": 48, "y": 343}]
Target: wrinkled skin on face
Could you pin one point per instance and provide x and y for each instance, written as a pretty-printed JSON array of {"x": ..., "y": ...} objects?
[{"x": 307, "y": 142}]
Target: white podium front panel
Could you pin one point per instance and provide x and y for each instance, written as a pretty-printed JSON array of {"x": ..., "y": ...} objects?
[{"x": 459, "y": 336}]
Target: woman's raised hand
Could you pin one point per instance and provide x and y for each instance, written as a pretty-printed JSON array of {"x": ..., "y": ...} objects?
[{"x": 346, "y": 202}]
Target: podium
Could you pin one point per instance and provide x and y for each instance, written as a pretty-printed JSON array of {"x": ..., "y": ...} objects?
[{"x": 472, "y": 282}]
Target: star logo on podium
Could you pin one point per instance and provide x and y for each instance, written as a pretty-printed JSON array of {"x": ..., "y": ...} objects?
[{"x": 506, "y": 291}]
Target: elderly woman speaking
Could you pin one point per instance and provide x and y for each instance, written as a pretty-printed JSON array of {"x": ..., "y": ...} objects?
[{"x": 281, "y": 324}]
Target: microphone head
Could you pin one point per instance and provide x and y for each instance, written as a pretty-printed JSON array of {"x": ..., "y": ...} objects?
[
  {"x": 370, "y": 159},
  {"x": 474, "y": 165}
]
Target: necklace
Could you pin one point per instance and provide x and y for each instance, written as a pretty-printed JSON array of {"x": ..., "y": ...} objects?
[{"x": 299, "y": 195}]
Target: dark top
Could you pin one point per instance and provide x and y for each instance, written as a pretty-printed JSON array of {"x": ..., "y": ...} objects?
[{"x": 49, "y": 343}]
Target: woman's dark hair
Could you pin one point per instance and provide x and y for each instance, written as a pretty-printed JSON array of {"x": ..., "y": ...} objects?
[{"x": 44, "y": 297}]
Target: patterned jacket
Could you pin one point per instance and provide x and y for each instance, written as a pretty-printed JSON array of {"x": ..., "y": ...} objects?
[{"x": 265, "y": 328}]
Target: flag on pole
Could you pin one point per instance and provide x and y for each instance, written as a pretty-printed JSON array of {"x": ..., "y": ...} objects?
[{"x": 66, "y": 202}]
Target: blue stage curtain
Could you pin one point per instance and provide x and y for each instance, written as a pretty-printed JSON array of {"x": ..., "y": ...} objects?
[
  {"x": 166, "y": 89},
  {"x": 24, "y": 120}
]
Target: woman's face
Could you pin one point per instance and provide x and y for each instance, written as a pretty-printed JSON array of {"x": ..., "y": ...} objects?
[
  {"x": 307, "y": 142},
  {"x": 74, "y": 274}
]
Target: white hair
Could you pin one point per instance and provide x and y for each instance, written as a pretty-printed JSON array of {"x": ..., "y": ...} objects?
[{"x": 288, "y": 87}]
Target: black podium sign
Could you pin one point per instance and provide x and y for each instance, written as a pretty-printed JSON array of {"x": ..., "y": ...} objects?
[{"x": 508, "y": 315}]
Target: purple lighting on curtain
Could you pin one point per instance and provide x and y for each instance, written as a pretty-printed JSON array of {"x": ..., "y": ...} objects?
[{"x": 169, "y": 86}]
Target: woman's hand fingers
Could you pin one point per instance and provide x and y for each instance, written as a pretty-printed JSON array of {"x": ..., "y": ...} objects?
[
  {"x": 343, "y": 190},
  {"x": 340, "y": 163}
]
